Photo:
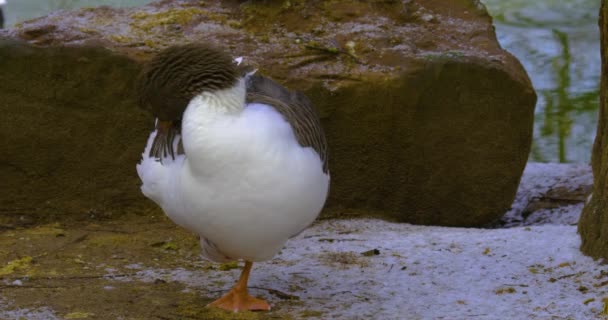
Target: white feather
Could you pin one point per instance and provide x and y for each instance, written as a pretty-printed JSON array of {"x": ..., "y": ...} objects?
[{"x": 245, "y": 184}]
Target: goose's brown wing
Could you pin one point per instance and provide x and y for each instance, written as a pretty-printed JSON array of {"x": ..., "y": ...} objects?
[
  {"x": 166, "y": 133},
  {"x": 295, "y": 108}
]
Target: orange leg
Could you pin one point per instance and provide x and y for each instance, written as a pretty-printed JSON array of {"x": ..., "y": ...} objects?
[{"x": 238, "y": 299}]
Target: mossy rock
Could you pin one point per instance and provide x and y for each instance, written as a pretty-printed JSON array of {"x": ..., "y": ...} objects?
[{"x": 427, "y": 123}]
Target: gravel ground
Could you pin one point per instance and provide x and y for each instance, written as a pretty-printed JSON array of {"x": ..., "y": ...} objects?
[{"x": 144, "y": 267}]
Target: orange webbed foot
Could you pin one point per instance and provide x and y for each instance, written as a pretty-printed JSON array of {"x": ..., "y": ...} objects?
[{"x": 239, "y": 300}]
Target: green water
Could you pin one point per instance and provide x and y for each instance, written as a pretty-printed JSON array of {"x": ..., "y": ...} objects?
[
  {"x": 557, "y": 41},
  {"x": 19, "y": 10}
]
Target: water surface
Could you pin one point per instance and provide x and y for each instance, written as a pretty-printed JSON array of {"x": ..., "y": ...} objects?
[
  {"x": 19, "y": 10},
  {"x": 557, "y": 41}
]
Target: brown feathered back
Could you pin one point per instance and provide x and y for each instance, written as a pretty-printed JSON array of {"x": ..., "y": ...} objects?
[{"x": 295, "y": 108}]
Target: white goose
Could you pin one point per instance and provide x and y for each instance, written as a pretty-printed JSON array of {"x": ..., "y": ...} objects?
[
  {"x": 2, "y": 3},
  {"x": 235, "y": 158}
]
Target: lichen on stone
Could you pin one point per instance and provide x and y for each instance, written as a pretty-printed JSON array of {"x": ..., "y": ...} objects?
[
  {"x": 228, "y": 266},
  {"x": 146, "y": 20},
  {"x": 344, "y": 260},
  {"x": 16, "y": 265},
  {"x": 78, "y": 315}
]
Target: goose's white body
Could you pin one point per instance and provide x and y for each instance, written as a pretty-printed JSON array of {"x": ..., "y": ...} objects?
[{"x": 244, "y": 184}]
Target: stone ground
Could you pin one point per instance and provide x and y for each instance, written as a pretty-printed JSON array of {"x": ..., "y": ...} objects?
[{"x": 145, "y": 267}]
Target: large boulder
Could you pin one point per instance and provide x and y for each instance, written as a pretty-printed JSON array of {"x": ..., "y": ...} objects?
[
  {"x": 593, "y": 225},
  {"x": 429, "y": 120},
  {"x": 70, "y": 131}
]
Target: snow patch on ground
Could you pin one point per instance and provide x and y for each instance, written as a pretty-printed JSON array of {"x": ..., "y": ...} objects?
[
  {"x": 549, "y": 193},
  {"x": 531, "y": 270},
  {"x": 423, "y": 273},
  {"x": 43, "y": 313}
]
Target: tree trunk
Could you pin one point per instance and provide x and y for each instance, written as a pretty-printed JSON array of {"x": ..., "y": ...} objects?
[{"x": 593, "y": 225}]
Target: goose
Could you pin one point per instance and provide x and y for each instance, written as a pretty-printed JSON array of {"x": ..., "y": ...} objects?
[
  {"x": 234, "y": 157},
  {"x": 2, "y": 3}
]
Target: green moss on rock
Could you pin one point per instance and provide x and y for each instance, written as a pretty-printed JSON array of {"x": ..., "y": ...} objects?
[
  {"x": 425, "y": 124},
  {"x": 146, "y": 20}
]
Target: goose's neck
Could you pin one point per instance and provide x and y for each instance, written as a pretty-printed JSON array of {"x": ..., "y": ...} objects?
[
  {"x": 226, "y": 101},
  {"x": 203, "y": 113}
]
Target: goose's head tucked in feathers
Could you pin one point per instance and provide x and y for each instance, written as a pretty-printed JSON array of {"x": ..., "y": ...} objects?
[
  {"x": 176, "y": 75},
  {"x": 169, "y": 82}
]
